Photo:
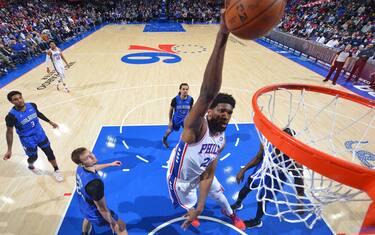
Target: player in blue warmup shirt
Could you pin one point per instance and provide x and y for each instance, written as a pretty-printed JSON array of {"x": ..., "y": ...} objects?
[
  {"x": 25, "y": 118},
  {"x": 180, "y": 107},
  {"x": 90, "y": 190}
]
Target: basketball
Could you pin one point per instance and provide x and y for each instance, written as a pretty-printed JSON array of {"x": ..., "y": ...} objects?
[{"x": 251, "y": 19}]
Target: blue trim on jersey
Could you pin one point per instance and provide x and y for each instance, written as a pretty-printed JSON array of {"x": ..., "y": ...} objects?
[
  {"x": 177, "y": 161},
  {"x": 171, "y": 187}
]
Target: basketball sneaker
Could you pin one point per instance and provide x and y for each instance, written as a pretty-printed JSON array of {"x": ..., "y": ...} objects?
[
  {"x": 35, "y": 170},
  {"x": 236, "y": 206},
  {"x": 236, "y": 221},
  {"x": 253, "y": 223},
  {"x": 58, "y": 176},
  {"x": 195, "y": 223}
]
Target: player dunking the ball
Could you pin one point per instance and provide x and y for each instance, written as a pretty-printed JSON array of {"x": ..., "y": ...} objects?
[
  {"x": 193, "y": 161},
  {"x": 55, "y": 56}
]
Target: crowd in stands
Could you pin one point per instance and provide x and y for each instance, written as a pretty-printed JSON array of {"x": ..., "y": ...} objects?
[
  {"x": 128, "y": 11},
  {"x": 332, "y": 23},
  {"x": 26, "y": 27},
  {"x": 195, "y": 11}
]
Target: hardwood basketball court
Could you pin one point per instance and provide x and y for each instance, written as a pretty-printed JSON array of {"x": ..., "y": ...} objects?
[{"x": 107, "y": 91}]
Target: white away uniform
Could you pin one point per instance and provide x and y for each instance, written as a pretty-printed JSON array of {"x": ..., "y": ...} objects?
[
  {"x": 58, "y": 65},
  {"x": 57, "y": 61}
]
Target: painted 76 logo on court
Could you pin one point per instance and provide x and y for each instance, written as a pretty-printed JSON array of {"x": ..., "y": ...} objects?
[{"x": 150, "y": 55}]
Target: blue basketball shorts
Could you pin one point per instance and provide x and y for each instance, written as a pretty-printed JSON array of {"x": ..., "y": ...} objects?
[
  {"x": 31, "y": 143},
  {"x": 177, "y": 124}
]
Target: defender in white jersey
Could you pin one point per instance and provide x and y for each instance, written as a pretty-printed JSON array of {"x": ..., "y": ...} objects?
[
  {"x": 55, "y": 56},
  {"x": 193, "y": 161}
]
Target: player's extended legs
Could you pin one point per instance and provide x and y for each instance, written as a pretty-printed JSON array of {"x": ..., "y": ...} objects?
[
  {"x": 257, "y": 221},
  {"x": 298, "y": 181},
  {"x": 61, "y": 81},
  {"x": 165, "y": 137},
  {"x": 222, "y": 201},
  {"x": 31, "y": 166},
  {"x": 31, "y": 151},
  {"x": 241, "y": 196},
  {"x": 185, "y": 198},
  {"x": 299, "y": 184},
  {"x": 86, "y": 227},
  {"x": 52, "y": 159},
  {"x": 216, "y": 192},
  {"x": 31, "y": 161},
  {"x": 58, "y": 80}
]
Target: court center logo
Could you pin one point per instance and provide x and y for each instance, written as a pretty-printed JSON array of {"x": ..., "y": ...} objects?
[{"x": 166, "y": 53}]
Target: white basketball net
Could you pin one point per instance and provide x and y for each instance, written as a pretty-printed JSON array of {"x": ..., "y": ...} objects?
[{"x": 324, "y": 123}]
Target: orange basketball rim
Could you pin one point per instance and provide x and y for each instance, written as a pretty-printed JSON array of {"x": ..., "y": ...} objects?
[{"x": 337, "y": 169}]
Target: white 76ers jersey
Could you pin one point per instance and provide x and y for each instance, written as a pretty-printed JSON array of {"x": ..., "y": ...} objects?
[
  {"x": 188, "y": 161},
  {"x": 56, "y": 58}
]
